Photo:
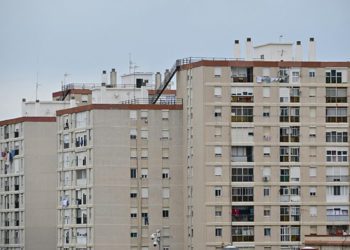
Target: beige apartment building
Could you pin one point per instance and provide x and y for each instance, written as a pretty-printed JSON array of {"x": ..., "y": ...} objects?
[
  {"x": 120, "y": 176},
  {"x": 28, "y": 183},
  {"x": 265, "y": 148}
]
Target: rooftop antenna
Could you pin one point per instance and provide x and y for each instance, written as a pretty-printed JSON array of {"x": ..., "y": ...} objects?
[{"x": 36, "y": 86}]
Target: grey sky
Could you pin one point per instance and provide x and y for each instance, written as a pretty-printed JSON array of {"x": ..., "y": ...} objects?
[{"x": 84, "y": 37}]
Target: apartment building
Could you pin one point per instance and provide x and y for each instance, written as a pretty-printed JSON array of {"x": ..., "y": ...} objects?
[
  {"x": 27, "y": 183},
  {"x": 265, "y": 148},
  {"x": 120, "y": 176}
]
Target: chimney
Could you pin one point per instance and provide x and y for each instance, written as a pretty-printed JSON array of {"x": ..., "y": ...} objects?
[
  {"x": 158, "y": 79},
  {"x": 298, "y": 52},
  {"x": 104, "y": 78},
  {"x": 249, "y": 49},
  {"x": 237, "y": 50},
  {"x": 113, "y": 77},
  {"x": 312, "y": 49}
]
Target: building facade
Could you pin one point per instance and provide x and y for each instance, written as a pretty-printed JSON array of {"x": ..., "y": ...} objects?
[
  {"x": 27, "y": 183},
  {"x": 120, "y": 176},
  {"x": 266, "y": 149}
]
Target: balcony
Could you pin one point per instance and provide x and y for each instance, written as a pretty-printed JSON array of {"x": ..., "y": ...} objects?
[
  {"x": 242, "y": 74},
  {"x": 243, "y": 213},
  {"x": 242, "y": 99}
]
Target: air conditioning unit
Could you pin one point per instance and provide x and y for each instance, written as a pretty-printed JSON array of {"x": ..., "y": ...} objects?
[{"x": 266, "y": 178}]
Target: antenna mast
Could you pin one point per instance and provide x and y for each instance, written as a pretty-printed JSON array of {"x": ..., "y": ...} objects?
[{"x": 36, "y": 86}]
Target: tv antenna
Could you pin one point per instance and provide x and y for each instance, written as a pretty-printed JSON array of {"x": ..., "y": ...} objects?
[{"x": 37, "y": 86}]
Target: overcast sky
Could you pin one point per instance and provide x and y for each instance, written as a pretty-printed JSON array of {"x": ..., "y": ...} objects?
[{"x": 83, "y": 37}]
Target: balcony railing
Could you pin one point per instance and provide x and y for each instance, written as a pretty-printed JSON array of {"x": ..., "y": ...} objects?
[
  {"x": 332, "y": 178},
  {"x": 243, "y": 158},
  {"x": 338, "y": 218},
  {"x": 161, "y": 101}
]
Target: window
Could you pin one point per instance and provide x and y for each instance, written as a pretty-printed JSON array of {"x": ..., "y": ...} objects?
[
  {"x": 312, "y": 171},
  {"x": 133, "y": 133},
  {"x": 242, "y": 174},
  {"x": 218, "y": 151},
  {"x": 312, "y": 73},
  {"x": 243, "y": 194},
  {"x": 336, "y": 114},
  {"x": 144, "y": 192},
  {"x": 133, "y": 193},
  {"x": 166, "y": 193},
  {"x": 267, "y": 211},
  {"x": 165, "y": 173},
  {"x": 144, "y": 153},
  {"x": 312, "y": 191},
  {"x": 289, "y": 154},
  {"x": 165, "y": 134},
  {"x": 144, "y": 173},
  {"x": 284, "y": 175},
  {"x": 267, "y": 231},
  {"x": 289, "y": 114},
  {"x": 144, "y": 134},
  {"x": 133, "y": 233},
  {"x": 336, "y": 95},
  {"x": 218, "y": 211},
  {"x": 242, "y": 94},
  {"x": 218, "y": 191},
  {"x": 217, "y": 72},
  {"x": 313, "y": 211},
  {"x": 218, "y": 131},
  {"x": 133, "y": 213},
  {"x": 267, "y": 151},
  {"x": 312, "y": 92},
  {"x": 217, "y": 91},
  {"x": 337, "y": 155},
  {"x": 312, "y": 132},
  {"x": 165, "y": 213},
  {"x": 266, "y": 92},
  {"x": 218, "y": 231},
  {"x": 144, "y": 114},
  {"x": 165, "y": 115},
  {"x": 242, "y": 114},
  {"x": 242, "y": 233},
  {"x": 218, "y": 171},
  {"x": 266, "y": 191},
  {"x": 165, "y": 153},
  {"x": 133, "y": 114},
  {"x": 242, "y": 213},
  {"x": 266, "y": 111},
  {"x": 133, "y": 153},
  {"x": 84, "y": 98},
  {"x": 336, "y": 136},
  {"x": 133, "y": 173},
  {"x": 334, "y": 76},
  {"x": 217, "y": 111}
]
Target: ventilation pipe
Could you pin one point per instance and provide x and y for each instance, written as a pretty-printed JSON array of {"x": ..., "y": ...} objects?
[
  {"x": 113, "y": 76},
  {"x": 312, "y": 49},
  {"x": 298, "y": 52},
  {"x": 158, "y": 80},
  {"x": 104, "y": 78},
  {"x": 249, "y": 49},
  {"x": 237, "y": 50}
]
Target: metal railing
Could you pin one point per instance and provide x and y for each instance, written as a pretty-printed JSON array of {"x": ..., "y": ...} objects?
[{"x": 161, "y": 101}]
